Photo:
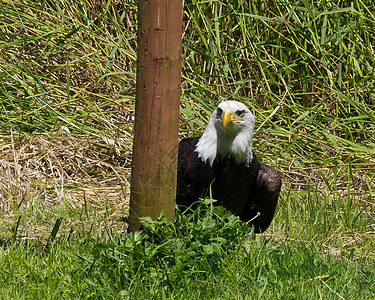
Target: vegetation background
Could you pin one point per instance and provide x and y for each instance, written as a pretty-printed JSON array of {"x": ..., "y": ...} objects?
[{"x": 67, "y": 86}]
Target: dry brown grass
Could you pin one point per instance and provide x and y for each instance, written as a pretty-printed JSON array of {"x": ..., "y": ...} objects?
[
  {"x": 50, "y": 172},
  {"x": 42, "y": 175}
]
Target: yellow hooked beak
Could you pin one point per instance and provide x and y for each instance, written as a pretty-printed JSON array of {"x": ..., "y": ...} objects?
[{"x": 227, "y": 117}]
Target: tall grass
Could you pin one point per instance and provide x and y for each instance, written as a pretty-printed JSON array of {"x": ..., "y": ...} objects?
[
  {"x": 306, "y": 69},
  {"x": 62, "y": 64}
]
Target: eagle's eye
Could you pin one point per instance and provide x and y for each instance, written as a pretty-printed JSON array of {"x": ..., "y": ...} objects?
[
  {"x": 240, "y": 113},
  {"x": 219, "y": 111}
]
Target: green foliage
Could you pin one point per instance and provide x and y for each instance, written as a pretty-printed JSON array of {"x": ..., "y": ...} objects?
[
  {"x": 207, "y": 253},
  {"x": 194, "y": 243}
]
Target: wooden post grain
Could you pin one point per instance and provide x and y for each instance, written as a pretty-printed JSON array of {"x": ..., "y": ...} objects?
[{"x": 155, "y": 145}]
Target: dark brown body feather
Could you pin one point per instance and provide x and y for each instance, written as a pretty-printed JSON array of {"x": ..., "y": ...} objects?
[{"x": 243, "y": 190}]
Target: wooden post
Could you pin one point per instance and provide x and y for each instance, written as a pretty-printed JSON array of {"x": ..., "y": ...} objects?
[{"x": 155, "y": 144}]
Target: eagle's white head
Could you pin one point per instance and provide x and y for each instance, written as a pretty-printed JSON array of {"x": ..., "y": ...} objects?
[{"x": 229, "y": 133}]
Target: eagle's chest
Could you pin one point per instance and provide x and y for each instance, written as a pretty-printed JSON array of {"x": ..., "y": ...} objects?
[{"x": 233, "y": 183}]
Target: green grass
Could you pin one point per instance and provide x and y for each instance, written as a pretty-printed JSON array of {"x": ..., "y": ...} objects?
[
  {"x": 207, "y": 254},
  {"x": 67, "y": 88}
]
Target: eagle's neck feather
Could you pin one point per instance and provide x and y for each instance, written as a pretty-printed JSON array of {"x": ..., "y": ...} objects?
[
  {"x": 207, "y": 145},
  {"x": 211, "y": 147}
]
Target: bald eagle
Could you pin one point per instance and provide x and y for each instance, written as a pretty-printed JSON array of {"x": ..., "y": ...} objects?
[{"x": 223, "y": 157}]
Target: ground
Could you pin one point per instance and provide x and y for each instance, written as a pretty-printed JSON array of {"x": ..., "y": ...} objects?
[{"x": 59, "y": 169}]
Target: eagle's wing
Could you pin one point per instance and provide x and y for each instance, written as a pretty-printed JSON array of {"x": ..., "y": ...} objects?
[
  {"x": 193, "y": 175},
  {"x": 263, "y": 198},
  {"x": 260, "y": 185}
]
